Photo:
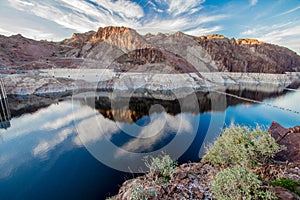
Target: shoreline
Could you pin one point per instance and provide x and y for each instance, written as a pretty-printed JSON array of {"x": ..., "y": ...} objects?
[{"x": 70, "y": 80}]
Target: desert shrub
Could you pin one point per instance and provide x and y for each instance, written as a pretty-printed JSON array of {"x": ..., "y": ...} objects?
[
  {"x": 161, "y": 170},
  {"x": 288, "y": 184},
  {"x": 137, "y": 193},
  {"x": 239, "y": 182},
  {"x": 161, "y": 167},
  {"x": 240, "y": 145}
]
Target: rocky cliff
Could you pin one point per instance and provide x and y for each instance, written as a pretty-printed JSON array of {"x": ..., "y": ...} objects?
[
  {"x": 209, "y": 53},
  {"x": 249, "y": 55}
]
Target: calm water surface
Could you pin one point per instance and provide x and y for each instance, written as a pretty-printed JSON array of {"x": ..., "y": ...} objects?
[{"x": 48, "y": 152}]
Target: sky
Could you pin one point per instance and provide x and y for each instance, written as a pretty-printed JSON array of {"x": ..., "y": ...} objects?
[{"x": 274, "y": 21}]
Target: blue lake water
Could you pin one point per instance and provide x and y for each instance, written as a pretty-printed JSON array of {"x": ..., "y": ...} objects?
[{"x": 75, "y": 148}]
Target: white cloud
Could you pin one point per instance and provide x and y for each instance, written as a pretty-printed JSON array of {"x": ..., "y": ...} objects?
[
  {"x": 284, "y": 34},
  {"x": 285, "y": 37},
  {"x": 196, "y": 26},
  {"x": 177, "y": 7},
  {"x": 289, "y": 11},
  {"x": 167, "y": 15},
  {"x": 6, "y": 32},
  {"x": 250, "y": 32},
  {"x": 203, "y": 31},
  {"x": 22, "y": 3},
  {"x": 253, "y": 2},
  {"x": 280, "y": 35},
  {"x": 83, "y": 16},
  {"x": 122, "y": 7},
  {"x": 29, "y": 33}
]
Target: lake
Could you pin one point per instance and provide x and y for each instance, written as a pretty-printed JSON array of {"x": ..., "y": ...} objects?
[{"x": 86, "y": 145}]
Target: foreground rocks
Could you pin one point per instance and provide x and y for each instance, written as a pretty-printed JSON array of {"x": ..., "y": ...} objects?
[
  {"x": 193, "y": 180},
  {"x": 284, "y": 194},
  {"x": 190, "y": 181}
]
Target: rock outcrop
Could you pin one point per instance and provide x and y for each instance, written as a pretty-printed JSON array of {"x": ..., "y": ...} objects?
[
  {"x": 244, "y": 55},
  {"x": 105, "y": 45},
  {"x": 153, "y": 60},
  {"x": 248, "y": 41},
  {"x": 125, "y": 38},
  {"x": 289, "y": 137},
  {"x": 209, "y": 53},
  {"x": 190, "y": 181},
  {"x": 19, "y": 51}
]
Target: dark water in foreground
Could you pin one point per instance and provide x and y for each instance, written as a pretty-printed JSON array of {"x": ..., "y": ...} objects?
[{"x": 52, "y": 148}]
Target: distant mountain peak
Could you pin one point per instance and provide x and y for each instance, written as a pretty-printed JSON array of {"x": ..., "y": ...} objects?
[
  {"x": 179, "y": 34},
  {"x": 105, "y": 33}
]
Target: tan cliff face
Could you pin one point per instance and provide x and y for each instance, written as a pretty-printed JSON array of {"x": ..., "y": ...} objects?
[
  {"x": 125, "y": 38},
  {"x": 208, "y": 53},
  {"x": 212, "y": 36},
  {"x": 107, "y": 32},
  {"x": 248, "y": 41}
]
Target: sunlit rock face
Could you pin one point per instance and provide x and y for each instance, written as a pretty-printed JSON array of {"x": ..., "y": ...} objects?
[{"x": 248, "y": 41}]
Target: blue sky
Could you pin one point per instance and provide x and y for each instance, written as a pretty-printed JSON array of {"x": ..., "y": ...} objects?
[{"x": 274, "y": 21}]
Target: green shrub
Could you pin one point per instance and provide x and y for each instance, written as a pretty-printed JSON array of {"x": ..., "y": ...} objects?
[
  {"x": 161, "y": 166},
  {"x": 288, "y": 184},
  {"x": 238, "y": 182},
  {"x": 137, "y": 193},
  {"x": 240, "y": 145}
]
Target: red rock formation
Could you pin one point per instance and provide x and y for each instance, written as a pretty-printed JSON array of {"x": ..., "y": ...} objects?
[
  {"x": 289, "y": 137},
  {"x": 246, "y": 55}
]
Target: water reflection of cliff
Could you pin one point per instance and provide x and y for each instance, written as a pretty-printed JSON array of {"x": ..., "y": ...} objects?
[
  {"x": 120, "y": 110},
  {"x": 20, "y": 105},
  {"x": 139, "y": 105}
]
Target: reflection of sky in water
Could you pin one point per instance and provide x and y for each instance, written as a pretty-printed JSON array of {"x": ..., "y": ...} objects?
[
  {"x": 37, "y": 142},
  {"x": 264, "y": 115},
  {"x": 34, "y": 135}
]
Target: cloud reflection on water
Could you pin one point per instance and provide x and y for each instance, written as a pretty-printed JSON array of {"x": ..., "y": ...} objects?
[{"x": 34, "y": 136}]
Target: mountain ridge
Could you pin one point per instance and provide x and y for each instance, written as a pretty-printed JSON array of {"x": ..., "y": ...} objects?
[{"x": 210, "y": 53}]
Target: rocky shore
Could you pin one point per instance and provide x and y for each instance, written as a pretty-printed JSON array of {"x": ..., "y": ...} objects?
[{"x": 194, "y": 180}]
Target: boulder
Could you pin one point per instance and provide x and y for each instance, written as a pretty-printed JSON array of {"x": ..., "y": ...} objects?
[
  {"x": 289, "y": 137},
  {"x": 284, "y": 194}
]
